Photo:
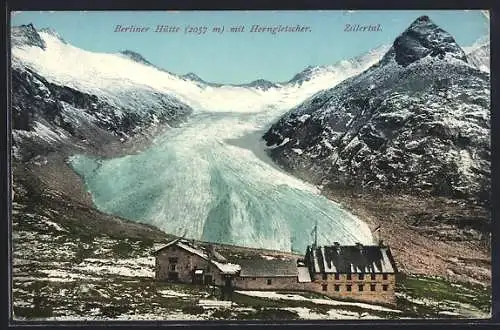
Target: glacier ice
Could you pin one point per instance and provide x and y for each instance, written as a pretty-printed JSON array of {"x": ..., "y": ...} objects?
[{"x": 194, "y": 181}]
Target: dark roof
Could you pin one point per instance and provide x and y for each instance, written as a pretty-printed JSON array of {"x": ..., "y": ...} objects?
[
  {"x": 262, "y": 267},
  {"x": 166, "y": 246},
  {"x": 199, "y": 249},
  {"x": 351, "y": 259}
]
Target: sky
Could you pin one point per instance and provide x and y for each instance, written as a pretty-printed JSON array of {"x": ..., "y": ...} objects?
[{"x": 241, "y": 57}]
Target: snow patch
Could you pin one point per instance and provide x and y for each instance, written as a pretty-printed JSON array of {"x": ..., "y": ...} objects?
[{"x": 275, "y": 295}]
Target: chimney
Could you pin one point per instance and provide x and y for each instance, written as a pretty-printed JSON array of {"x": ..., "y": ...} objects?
[
  {"x": 381, "y": 243},
  {"x": 359, "y": 246},
  {"x": 337, "y": 246}
]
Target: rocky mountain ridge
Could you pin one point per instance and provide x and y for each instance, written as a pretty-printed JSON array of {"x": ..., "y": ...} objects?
[
  {"x": 479, "y": 54},
  {"x": 417, "y": 122},
  {"x": 47, "y": 116}
]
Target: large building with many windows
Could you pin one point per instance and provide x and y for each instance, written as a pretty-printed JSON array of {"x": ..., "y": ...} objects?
[{"x": 358, "y": 272}]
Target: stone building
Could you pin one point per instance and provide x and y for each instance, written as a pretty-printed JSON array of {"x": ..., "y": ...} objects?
[
  {"x": 182, "y": 261},
  {"x": 266, "y": 272},
  {"x": 362, "y": 273}
]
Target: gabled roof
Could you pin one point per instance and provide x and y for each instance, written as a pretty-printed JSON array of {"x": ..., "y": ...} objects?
[
  {"x": 166, "y": 246},
  {"x": 351, "y": 259},
  {"x": 216, "y": 258}
]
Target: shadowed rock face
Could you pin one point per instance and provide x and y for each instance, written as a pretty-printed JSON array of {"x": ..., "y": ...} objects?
[
  {"x": 417, "y": 122},
  {"x": 26, "y": 35},
  {"x": 135, "y": 56},
  {"x": 68, "y": 116}
]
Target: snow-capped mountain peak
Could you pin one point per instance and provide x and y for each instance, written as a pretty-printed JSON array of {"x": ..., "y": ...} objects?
[
  {"x": 421, "y": 39},
  {"x": 109, "y": 77},
  {"x": 416, "y": 121},
  {"x": 26, "y": 35},
  {"x": 343, "y": 67},
  {"x": 261, "y": 84},
  {"x": 135, "y": 56},
  {"x": 53, "y": 33},
  {"x": 193, "y": 76},
  {"x": 479, "y": 53}
]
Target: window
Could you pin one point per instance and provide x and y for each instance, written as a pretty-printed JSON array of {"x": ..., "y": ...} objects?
[
  {"x": 385, "y": 287},
  {"x": 349, "y": 287},
  {"x": 325, "y": 287},
  {"x": 372, "y": 287},
  {"x": 269, "y": 282},
  {"x": 361, "y": 276},
  {"x": 254, "y": 278},
  {"x": 361, "y": 287},
  {"x": 325, "y": 276},
  {"x": 348, "y": 277},
  {"x": 384, "y": 276},
  {"x": 337, "y": 276},
  {"x": 172, "y": 267},
  {"x": 208, "y": 268},
  {"x": 373, "y": 276},
  {"x": 173, "y": 260},
  {"x": 337, "y": 287}
]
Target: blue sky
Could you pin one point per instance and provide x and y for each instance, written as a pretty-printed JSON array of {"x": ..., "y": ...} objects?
[{"x": 244, "y": 57}]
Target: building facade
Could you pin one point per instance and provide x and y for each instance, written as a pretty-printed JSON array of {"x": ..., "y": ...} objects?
[
  {"x": 361, "y": 273},
  {"x": 354, "y": 272},
  {"x": 180, "y": 261}
]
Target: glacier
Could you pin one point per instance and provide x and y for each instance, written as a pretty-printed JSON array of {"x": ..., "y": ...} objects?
[
  {"x": 196, "y": 181},
  {"x": 209, "y": 178}
]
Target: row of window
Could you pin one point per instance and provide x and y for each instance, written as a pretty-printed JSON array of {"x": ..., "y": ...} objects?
[
  {"x": 361, "y": 287},
  {"x": 269, "y": 281},
  {"x": 349, "y": 277},
  {"x": 360, "y": 276},
  {"x": 173, "y": 267}
]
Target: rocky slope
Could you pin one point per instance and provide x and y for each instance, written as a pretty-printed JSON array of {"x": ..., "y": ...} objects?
[
  {"x": 416, "y": 122},
  {"x": 48, "y": 116}
]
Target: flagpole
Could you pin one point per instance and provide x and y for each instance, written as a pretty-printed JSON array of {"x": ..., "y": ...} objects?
[
  {"x": 378, "y": 230},
  {"x": 316, "y": 234}
]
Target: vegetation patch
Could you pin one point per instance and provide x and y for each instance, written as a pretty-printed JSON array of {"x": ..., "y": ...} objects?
[
  {"x": 223, "y": 314},
  {"x": 268, "y": 314},
  {"x": 114, "y": 310},
  {"x": 423, "y": 296},
  {"x": 123, "y": 249},
  {"x": 193, "y": 310}
]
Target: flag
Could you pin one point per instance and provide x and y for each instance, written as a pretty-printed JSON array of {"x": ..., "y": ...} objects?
[{"x": 376, "y": 229}]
